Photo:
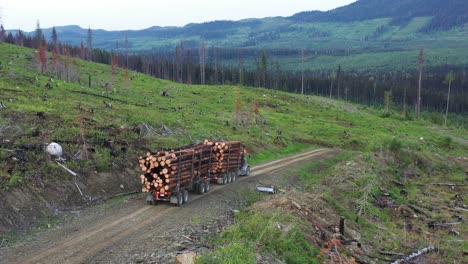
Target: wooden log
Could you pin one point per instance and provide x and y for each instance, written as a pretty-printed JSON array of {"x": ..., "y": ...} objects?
[
  {"x": 174, "y": 184},
  {"x": 447, "y": 184},
  {"x": 414, "y": 255}
]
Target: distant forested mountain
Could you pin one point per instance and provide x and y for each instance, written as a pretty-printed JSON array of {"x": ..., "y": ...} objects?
[
  {"x": 367, "y": 34},
  {"x": 445, "y": 14},
  {"x": 423, "y": 16}
]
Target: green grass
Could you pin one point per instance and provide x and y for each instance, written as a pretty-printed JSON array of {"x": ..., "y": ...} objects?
[
  {"x": 259, "y": 231},
  {"x": 314, "y": 173}
]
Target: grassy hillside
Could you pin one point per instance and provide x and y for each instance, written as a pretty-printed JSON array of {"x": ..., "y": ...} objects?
[
  {"x": 104, "y": 130},
  {"x": 72, "y": 113}
]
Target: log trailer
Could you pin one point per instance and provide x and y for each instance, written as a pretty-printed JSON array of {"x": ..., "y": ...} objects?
[{"x": 169, "y": 176}]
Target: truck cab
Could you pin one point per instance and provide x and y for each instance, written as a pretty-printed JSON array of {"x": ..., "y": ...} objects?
[{"x": 244, "y": 169}]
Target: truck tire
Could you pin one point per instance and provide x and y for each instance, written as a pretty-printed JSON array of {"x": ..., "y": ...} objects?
[
  {"x": 201, "y": 188},
  {"x": 180, "y": 199},
  {"x": 207, "y": 186},
  {"x": 225, "y": 179},
  {"x": 233, "y": 176},
  {"x": 185, "y": 194}
]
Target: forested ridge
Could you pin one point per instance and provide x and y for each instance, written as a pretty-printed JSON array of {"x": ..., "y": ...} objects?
[{"x": 445, "y": 14}]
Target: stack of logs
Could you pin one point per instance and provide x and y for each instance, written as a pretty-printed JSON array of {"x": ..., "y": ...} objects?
[
  {"x": 161, "y": 169},
  {"x": 226, "y": 156}
]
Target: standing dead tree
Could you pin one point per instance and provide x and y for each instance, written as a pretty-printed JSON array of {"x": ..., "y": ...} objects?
[
  {"x": 179, "y": 62},
  {"x": 421, "y": 67},
  {"x": 302, "y": 70},
  {"x": 56, "y": 53},
  {"x": 241, "y": 68},
  {"x": 448, "y": 79},
  {"x": 202, "y": 54}
]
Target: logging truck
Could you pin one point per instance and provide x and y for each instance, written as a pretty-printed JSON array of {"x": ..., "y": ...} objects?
[{"x": 170, "y": 176}]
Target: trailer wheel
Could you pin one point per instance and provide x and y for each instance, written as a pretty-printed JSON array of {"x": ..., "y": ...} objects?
[
  {"x": 236, "y": 176},
  {"x": 149, "y": 202},
  {"x": 201, "y": 188},
  {"x": 185, "y": 196},
  {"x": 207, "y": 186},
  {"x": 231, "y": 178},
  {"x": 180, "y": 199},
  {"x": 225, "y": 179}
]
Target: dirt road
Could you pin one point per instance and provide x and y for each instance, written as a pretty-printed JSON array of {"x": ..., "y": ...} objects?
[{"x": 133, "y": 232}]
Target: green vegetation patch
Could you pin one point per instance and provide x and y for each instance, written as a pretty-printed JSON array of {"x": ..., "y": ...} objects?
[{"x": 276, "y": 233}]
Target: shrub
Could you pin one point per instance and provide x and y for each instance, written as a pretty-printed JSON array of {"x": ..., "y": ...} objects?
[
  {"x": 102, "y": 158},
  {"x": 393, "y": 145},
  {"x": 445, "y": 142}
]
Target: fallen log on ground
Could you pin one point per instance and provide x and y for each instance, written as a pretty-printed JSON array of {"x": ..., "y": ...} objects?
[{"x": 414, "y": 255}]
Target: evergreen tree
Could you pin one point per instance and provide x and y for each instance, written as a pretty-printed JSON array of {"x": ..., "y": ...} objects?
[
  {"x": 264, "y": 69},
  {"x": 90, "y": 45},
  {"x": 38, "y": 36},
  {"x": 2, "y": 33},
  {"x": 54, "y": 37}
]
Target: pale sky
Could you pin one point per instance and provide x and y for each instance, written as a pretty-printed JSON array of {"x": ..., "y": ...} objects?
[{"x": 140, "y": 14}]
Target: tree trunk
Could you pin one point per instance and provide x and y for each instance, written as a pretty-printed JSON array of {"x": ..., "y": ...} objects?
[
  {"x": 448, "y": 101},
  {"x": 421, "y": 65}
]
